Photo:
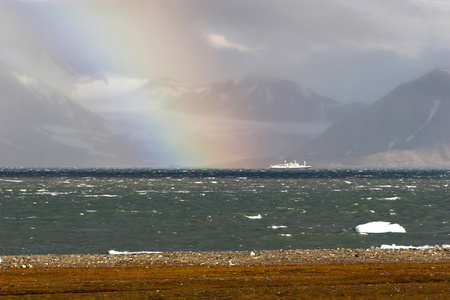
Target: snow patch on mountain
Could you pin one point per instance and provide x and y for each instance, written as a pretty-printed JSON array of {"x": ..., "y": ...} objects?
[
  {"x": 433, "y": 111},
  {"x": 391, "y": 144},
  {"x": 38, "y": 89},
  {"x": 73, "y": 137},
  {"x": 445, "y": 70},
  {"x": 15, "y": 145},
  {"x": 164, "y": 88},
  {"x": 306, "y": 92},
  {"x": 106, "y": 84}
]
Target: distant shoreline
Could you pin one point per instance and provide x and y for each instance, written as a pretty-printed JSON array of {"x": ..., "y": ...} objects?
[{"x": 243, "y": 258}]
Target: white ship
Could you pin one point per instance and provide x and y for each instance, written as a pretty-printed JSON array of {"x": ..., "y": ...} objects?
[{"x": 290, "y": 165}]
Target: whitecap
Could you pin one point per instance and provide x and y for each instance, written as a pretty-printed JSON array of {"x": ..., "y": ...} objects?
[
  {"x": 254, "y": 217},
  {"x": 390, "y": 198},
  {"x": 103, "y": 195},
  {"x": 285, "y": 234},
  {"x": 11, "y": 180},
  {"x": 379, "y": 227},
  {"x": 183, "y": 192},
  {"x": 277, "y": 227},
  {"x": 42, "y": 192},
  {"x": 84, "y": 185}
]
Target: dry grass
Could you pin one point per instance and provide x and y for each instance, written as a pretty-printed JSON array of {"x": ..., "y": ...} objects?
[{"x": 363, "y": 281}]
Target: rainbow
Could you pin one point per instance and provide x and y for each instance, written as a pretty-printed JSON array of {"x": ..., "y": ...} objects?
[
  {"x": 191, "y": 141},
  {"x": 139, "y": 39}
]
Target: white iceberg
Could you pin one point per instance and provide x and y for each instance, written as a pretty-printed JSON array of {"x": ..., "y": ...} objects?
[{"x": 379, "y": 227}]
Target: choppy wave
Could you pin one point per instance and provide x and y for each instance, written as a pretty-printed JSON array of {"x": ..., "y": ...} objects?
[{"x": 94, "y": 210}]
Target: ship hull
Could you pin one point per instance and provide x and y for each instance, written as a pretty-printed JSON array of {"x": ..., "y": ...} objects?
[{"x": 290, "y": 165}]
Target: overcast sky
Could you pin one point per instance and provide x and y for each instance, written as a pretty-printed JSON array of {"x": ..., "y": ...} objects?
[{"x": 346, "y": 49}]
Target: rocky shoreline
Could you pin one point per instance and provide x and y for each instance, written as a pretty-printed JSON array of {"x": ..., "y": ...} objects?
[{"x": 242, "y": 258}]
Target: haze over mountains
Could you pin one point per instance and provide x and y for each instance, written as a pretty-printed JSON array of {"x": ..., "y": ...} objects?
[
  {"x": 40, "y": 127},
  {"x": 252, "y": 122},
  {"x": 256, "y": 98},
  {"x": 409, "y": 127}
]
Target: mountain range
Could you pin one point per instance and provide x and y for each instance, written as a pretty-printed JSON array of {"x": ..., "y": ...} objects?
[
  {"x": 409, "y": 127},
  {"x": 40, "y": 127},
  {"x": 262, "y": 99},
  {"x": 43, "y": 125}
]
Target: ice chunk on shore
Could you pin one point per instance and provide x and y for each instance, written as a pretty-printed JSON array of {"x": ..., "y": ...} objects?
[
  {"x": 394, "y": 246},
  {"x": 114, "y": 252},
  {"x": 379, "y": 227}
]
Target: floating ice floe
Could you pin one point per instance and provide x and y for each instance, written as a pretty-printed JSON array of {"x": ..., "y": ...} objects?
[
  {"x": 114, "y": 252},
  {"x": 379, "y": 227},
  {"x": 254, "y": 217}
]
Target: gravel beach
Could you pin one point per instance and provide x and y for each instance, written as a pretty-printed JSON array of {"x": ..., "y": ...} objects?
[
  {"x": 241, "y": 258},
  {"x": 289, "y": 274}
]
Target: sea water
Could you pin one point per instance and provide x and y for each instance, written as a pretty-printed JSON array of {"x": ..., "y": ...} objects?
[{"x": 56, "y": 211}]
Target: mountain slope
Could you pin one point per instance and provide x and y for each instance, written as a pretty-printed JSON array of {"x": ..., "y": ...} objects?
[
  {"x": 39, "y": 127},
  {"x": 413, "y": 118},
  {"x": 256, "y": 99},
  {"x": 164, "y": 88}
]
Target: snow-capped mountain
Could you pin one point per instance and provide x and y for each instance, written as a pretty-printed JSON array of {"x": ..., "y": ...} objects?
[
  {"x": 49, "y": 69},
  {"x": 40, "y": 127},
  {"x": 256, "y": 99},
  {"x": 409, "y": 127},
  {"x": 106, "y": 91},
  {"x": 163, "y": 89}
]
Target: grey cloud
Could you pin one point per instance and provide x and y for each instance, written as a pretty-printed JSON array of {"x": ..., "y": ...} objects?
[
  {"x": 345, "y": 49},
  {"x": 350, "y": 50}
]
